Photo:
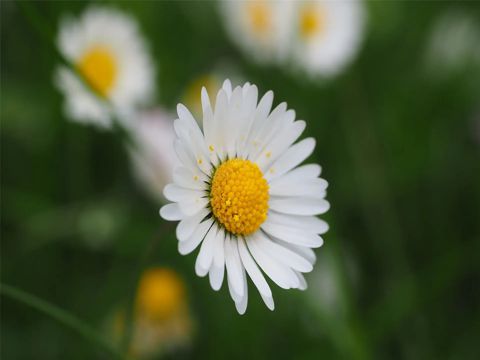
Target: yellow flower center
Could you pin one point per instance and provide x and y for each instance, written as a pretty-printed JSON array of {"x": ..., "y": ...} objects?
[
  {"x": 99, "y": 68},
  {"x": 239, "y": 196},
  {"x": 259, "y": 15},
  {"x": 312, "y": 21},
  {"x": 160, "y": 295}
]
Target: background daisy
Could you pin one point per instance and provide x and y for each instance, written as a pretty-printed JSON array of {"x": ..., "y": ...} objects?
[
  {"x": 152, "y": 154},
  {"x": 326, "y": 35},
  {"x": 106, "y": 48},
  {"x": 240, "y": 193},
  {"x": 258, "y": 27},
  {"x": 397, "y": 135}
]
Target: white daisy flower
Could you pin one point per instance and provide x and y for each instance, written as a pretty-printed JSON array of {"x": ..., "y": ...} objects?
[
  {"x": 153, "y": 157},
  {"x": 240, "y": 194},
  {"x": 258, "y": 27},
  {"x": 326, "y": 35},
  {"x": 106, "y": 47}
]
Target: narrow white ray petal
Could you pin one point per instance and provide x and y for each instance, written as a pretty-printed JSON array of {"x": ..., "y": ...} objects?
[
  {"x": 299, "y": 206},
  {"x": 280, "y": 274},
  {"x": 281, "y": 133},
  {"x": 234, "y": 271},
  {"x": 184, "y": 155},
  {"x": 176, "y": 193},
  {"x": 291, "y": 158},
  {"x": 208, "y": 123},
  {"x": 302, "y": 282},
  {"x": 205, "y": 255},
  {"x": 255, "y": 274},
  {"x": 279, "y": 144},
  {"x": 221, "y": 110},
  {"x": 218, "y": 267},
  {"x": 187, "y": 226},
  {"x": 232, "y": 121},
  {"x": 291, "y": 235},
  {"x": 259, "y": 117},
  {"x": 311, "y": 188},
  {"x": 241, "y": 306},
  {"x": 284, "y": 255},
  {"x": 192, "y": 206},
  {"x": 304, "y": 223},
  {"x": 171, "y": 212},
  {"x": 303, "y": 251},
  {"x": 303, "y": 173},
  {"x": 187, "y": 246},
  {"x": 227, "y": 86},
  {"x": 186, "y": 178}
]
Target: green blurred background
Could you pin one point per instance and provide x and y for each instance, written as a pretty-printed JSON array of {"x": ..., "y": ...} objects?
[{"x": 399, "y": 274}]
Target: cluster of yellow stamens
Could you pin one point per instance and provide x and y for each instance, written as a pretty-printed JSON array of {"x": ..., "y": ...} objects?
[
  {"x": 99, "y": 68},
  {"x": 239, "y": 196}
]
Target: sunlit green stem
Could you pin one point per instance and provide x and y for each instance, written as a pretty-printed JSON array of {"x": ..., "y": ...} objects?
[{"x": 62, "y": 316}]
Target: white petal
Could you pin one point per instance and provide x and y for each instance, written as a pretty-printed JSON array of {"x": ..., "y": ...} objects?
[
  {"x": 176, "y": 193},
  {"x": 303, "y": 251},
  {"x": 291, "y": 158},
  {"x": 280, "y": 143},
  {"x": 227, "y": 86},
  {"x": 205, "y": 256},
  {"x": 188, "y": 179},
  {"x": 285, "y": 186},
  {"x": 187, "y": 246},
  {"x": 187, "y": 226},
  {"x": 291, "y": 235},
  {"x": 255, "y": 274},
  {"x": 218, "y": 266},
  {"x": 171, "y": 212},
  {"x": 241, "y": 306},
  {"x": 299, "y": 206},
  {"x": 234, "y": 271},
  {"x": 302, "y": 282},
  {"x": 305, "y": 223},
  {"x": 280, "y": 274},
  {"x": 192, "y": 206},
  {"x": 284, "y": 255}
]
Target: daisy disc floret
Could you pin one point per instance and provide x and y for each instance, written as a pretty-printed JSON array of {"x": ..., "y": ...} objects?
[{"x": 242, "y": 196}]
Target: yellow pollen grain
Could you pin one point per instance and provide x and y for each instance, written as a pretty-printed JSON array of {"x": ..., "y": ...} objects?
[
  {"x": 259, "y": 16},
  {"x": 268, "y": 154},
  {"x": 99, "y": 68},
  {"x": 200, "y": 161},
  {"x": 239, "y": 196},
  {"x": 211, "y": 148},
  {"x": 312, "y": 21},
  {"x": 195, "y": 178}
]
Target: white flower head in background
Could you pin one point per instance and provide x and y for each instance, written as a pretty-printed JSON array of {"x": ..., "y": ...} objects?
[
  {"x": 326, "y": 35},
  {"x": 153, "y": 157},
  {"x": 106, "y": 47},
  {"x": 240, "y": 194},
  {"x": 258, "y": 27}
]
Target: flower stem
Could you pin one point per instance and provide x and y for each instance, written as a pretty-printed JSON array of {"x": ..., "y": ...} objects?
[{"x": 62, "y": 316}]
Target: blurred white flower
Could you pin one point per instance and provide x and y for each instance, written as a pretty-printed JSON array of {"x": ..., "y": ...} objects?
[
  {"x": 260, "y": 28},
  {"x": 240, "y": 193},
  {"x": 153, "y": 156},
  {"x": 105, "y": 46},
  {"x": 326, "y": 35},
  {"x": 453, "y": 43},
  {"x": 162, "y": 321}
]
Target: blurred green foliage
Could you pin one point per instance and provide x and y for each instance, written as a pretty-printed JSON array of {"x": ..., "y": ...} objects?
[{"x": 400, "y": 149}]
